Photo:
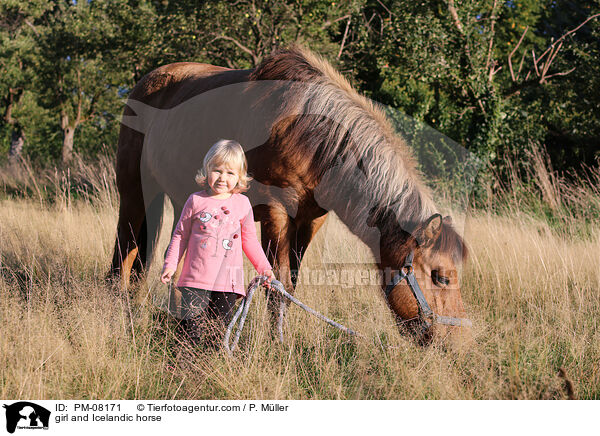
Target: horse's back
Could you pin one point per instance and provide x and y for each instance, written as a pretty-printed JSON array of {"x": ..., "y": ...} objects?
[
  {"x": 172, "y": 84},
  {"x": 164, "y": 88}
]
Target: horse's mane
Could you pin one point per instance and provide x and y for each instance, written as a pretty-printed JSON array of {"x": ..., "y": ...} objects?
[{"x": 333, "y": 123}]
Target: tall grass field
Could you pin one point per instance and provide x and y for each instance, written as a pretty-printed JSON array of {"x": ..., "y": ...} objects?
[{"x": 531, "y": 286}]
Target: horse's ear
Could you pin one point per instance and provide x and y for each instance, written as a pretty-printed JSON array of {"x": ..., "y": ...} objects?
[{"x": 429, "y": 231}]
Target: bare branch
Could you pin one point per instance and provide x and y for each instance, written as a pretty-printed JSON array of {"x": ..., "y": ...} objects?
[
  {"x": 384, "y": 7},
  {"x": 535, "y": 62},
  {"x": 521, "y": 63},
  {"x": 240, "y": 45},
  {"x": 564, "y": 73},
  {"x": 567, "y": 34},
  {"x": 480, "y": 103},
  {"x": 256, "y": 25},
  {"x": 555, "y": 48},
  {"x": 344, "y": 38},
  {"x": 368, "y": 22},
  {"x": 549, "y": 61},
  {"x": 92, "y": 109},
  {"x": 455, "y": 17},
  {"x": 512, "y": 74},
  {"x": 219, "y": 55},
  {"x": 457, "y": 23},
  {"x": 493, "y": 17},
  {"x": 493, "y": 70},
  {"x": 32, "y": 27},
  {"x": 463, "y": 112},
  {"x": 326, "y": 24}
]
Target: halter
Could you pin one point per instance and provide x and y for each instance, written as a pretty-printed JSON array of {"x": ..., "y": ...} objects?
[{"x": 426, "y": 316}]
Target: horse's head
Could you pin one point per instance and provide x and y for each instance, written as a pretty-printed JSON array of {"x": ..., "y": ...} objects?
[{"x": 437, "y": 251}]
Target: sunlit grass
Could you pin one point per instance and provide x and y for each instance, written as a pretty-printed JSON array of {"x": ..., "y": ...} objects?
[{"x": 532, "y": 293}]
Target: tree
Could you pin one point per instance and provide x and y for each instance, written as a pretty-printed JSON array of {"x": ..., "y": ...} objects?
[
  {"x": 77, "y": 78},
  {"x": 18, "y": 51},
  {"x": 571, "y": 116},
  {"x": 240, "y": 34},
  {"x": 478, "y": 71}
]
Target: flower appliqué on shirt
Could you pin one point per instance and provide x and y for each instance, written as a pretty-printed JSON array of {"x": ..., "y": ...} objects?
[{"x": 218, "y": 225}]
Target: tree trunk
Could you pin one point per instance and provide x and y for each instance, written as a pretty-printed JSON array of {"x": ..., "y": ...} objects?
[
  {"x": 16, "y": 143},
  {"x": 17, "y": 139},
  {"x": 68, "y": 135},
  {"x": 67, "y": 149}
]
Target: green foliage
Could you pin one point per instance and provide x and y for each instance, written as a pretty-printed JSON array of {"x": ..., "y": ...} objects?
[
  {"x": 69, "y": 65},
  {"x": 42, "y": 132},
  {"x": 474, "y": 70},
  {"x": 241, "y": 36},
  {"x": 18, "y": 54}
]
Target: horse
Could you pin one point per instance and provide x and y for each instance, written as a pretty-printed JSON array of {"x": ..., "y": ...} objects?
[{"x": 313, "y": 145}]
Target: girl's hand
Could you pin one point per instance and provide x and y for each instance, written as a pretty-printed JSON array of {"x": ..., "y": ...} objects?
[
  {"x": 166, "y": 275},
  {"x": 270, "y": 276}
]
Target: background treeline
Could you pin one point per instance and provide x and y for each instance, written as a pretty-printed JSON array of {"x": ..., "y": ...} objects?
[{"x": 501, "y": 78}]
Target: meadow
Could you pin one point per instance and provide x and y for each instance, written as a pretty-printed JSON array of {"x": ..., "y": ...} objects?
[{"x": 531, "y": 286}]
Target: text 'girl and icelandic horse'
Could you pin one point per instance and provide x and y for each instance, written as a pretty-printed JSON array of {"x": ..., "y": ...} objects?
[{"x": 313, "y": 145}]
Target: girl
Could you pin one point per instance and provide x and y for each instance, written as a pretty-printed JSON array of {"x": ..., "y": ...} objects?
[{"x": 216, "y": 224}]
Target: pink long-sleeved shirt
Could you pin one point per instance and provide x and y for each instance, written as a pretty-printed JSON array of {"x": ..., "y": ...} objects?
[{"x": 214, "y": 232}]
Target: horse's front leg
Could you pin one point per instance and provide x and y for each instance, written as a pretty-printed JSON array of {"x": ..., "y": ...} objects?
[
  {"x": 305, "y": 232},
  {"x": 276, "y": 231}
]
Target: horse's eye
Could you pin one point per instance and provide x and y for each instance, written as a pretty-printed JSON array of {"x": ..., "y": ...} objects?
[{"x": 438, "y": 279}]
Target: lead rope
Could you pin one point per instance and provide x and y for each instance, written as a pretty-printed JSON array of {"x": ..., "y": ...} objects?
[{"x": 245, "y": 305}]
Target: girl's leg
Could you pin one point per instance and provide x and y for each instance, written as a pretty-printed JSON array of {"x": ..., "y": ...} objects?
[
  {"x": 219, "y": 311},
  {"x": 222, "y": 303},
  {"x": 194, "y": 304}
]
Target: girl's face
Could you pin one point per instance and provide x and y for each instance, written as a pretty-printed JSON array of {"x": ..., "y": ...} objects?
[{"x": 222, "y": 178}]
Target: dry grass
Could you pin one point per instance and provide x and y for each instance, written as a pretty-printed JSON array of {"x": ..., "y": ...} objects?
[{"x": 532, "y": 292}]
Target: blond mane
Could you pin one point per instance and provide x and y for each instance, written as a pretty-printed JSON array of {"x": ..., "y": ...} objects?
[{"x": 354, "y": 131}]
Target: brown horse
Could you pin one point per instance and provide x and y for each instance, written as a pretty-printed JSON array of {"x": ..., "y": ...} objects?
[{"x": 313, "y": 145}]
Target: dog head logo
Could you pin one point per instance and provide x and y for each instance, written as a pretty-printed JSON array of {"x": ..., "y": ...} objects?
[{"x": 26, "y": 415}]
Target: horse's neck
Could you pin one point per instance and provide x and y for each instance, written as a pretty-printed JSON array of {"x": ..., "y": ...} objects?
[
  {"x": 372, "y": 202},
  {"x": 355, "y": 209}
]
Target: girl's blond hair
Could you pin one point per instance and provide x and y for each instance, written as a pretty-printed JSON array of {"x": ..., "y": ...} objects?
[{"x": 230, "y": 153}]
